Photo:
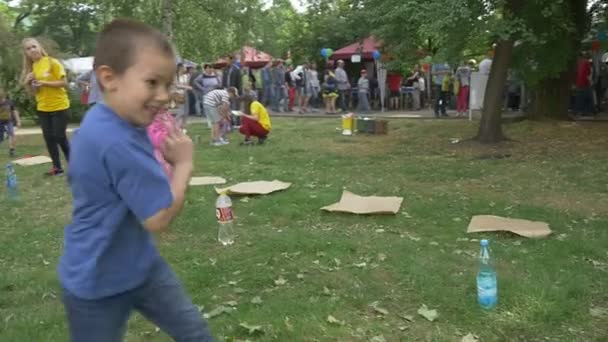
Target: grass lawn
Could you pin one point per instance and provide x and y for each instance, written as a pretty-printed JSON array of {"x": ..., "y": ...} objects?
[{"x": 338, "y": 265}]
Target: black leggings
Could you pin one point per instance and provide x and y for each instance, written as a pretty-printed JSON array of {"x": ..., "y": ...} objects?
[{"x": 53, "y": 126}]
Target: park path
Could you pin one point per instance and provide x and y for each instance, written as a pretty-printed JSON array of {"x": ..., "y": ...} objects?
[{"x": 423, "y": 114}]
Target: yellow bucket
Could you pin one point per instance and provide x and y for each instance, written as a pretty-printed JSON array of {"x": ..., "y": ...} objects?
[{"x": 347, "y": 124}]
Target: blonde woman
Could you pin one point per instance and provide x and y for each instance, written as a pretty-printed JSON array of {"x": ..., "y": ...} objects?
[
  {"x": 182, "y": 85},
  {"x": 44, "y": 77}
]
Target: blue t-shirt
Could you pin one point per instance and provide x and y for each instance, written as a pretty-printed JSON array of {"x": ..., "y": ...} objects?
[{"x": 116, "y": 185}]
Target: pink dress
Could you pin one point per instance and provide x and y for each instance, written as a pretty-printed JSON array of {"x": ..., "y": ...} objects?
[{"x": 158, "y": 131}]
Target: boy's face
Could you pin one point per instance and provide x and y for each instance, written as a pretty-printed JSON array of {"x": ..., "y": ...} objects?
[{"x": 143, "y": 89}]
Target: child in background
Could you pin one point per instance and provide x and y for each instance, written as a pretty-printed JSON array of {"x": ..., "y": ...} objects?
[
  {"x": 225, "y": 128},
  {"x": 110, "y": 265},
  {"x": 9, "y": 119},
  {"x": 159, "y": 130}
]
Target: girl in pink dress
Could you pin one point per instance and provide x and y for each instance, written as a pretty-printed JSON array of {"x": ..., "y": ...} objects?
[{"x": 164, "y": 123}]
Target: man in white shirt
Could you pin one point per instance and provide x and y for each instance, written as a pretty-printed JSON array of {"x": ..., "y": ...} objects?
[
  {"x": 486, "y": 64},
  {"x": 343, "y": 84}
]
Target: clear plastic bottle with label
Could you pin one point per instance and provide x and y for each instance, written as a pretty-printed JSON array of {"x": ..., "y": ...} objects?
[
  {"x": 225, "y": 219},
  {"x": 487, "y": 285},
  {"x": 12, "y": 191}
]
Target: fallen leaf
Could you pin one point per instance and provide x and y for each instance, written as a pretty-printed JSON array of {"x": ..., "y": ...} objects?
[
  {"x": 379, "y": 338},
  {"x": 379, "y": 230},
  {"x": 333, "y": 320},
  {"x": 233, "y": 283},
  {"x": 300, "y": 276},
  {"x": 256, "y": 300},
  {"x": 470, "y": 338},
  {"x": 381, "y": 257},
  {"x": 378, "y": 309},
  {"x": 598, "y": 312},
  {"x": 413, "y": 238},
  {"x": 430, "y": 315},
  {"x": 252, "y": 329},
  {"x": 245, "y": 199},
  {"x": 361, "y": 265},
  {"x": 326, "y": 291},
  {"x": 231, "y": 303},
  {"x": 338, "y": 262},
  {"x": 239, "y": 290},
  {"x": 288, "y": 324},
  {"x": 280, "y": 281},
  {"x": 408, "y": 318},
  {"x": 218, "y": 311},
  {"x": 434, "y": 243},
  {"x": 595, "y": 263},
  {"x": 212, "y": 261},
  {"x": 403, "y": 327}
]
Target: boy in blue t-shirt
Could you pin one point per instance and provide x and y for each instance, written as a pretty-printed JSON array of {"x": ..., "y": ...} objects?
[
  {"x": 9, "y": 119},
  {"x": 110, "y": 265}
]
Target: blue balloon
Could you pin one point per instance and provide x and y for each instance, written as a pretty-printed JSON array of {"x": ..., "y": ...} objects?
[
  {"x": 376, "y": 54},
  {"x": 324, "y": 52}
]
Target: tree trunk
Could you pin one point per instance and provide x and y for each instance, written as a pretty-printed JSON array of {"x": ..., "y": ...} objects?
[
  {"x": 553, "y": 94},
  {"x": 167, "y": 18},
  {"x": 490, "y": 127},
  {"x": 553, "y": 97}
]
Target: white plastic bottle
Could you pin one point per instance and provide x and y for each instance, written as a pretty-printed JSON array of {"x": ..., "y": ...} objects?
[{"x": 225, "y": 219}]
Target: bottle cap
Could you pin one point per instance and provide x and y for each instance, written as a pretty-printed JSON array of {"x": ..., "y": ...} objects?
[{"x": 484, "y": 243}]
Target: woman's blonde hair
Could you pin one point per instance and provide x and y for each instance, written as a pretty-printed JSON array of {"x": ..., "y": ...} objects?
[{"x": 28, "y": 62}]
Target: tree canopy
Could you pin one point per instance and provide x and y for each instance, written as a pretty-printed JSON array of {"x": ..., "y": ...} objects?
[{"x": 546, "y": 34}]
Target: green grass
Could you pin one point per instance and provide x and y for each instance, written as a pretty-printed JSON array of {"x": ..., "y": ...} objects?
[{"x": 556, "y": 173}]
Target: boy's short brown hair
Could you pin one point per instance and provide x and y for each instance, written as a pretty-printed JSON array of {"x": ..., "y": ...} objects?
[{"x": 119, "y": 41}]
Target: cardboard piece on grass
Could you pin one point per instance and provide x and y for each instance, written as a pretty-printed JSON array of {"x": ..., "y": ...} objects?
[
  {"x": 207, "y": 181},
  {"x": 30, "y": 161},
  {"x": 355, "y": 204},
  {"x": 255, "y": 188},
  {"x": 490, "y": 223}
]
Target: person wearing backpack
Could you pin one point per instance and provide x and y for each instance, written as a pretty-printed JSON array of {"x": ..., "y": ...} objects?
[{"x": 330, "y": 89}]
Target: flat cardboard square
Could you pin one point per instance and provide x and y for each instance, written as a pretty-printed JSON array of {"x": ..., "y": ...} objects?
[
  {"x": 207, "y": 180},
  {"x": 490, "y": 223},
  {"x": 31, "y": 161},
  {"x": 365, "y": 205},
  {"x": 255, "y": 188}
]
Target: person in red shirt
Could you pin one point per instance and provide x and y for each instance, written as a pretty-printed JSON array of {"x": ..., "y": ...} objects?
[
  {"x": 584, "y": 95},
  {"x": 394, "y": 87}
]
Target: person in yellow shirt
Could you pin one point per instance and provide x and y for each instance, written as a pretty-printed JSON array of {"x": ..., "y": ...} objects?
[
  {"x": 44, "y": 77},
  {"x": 255, "y": 121}
]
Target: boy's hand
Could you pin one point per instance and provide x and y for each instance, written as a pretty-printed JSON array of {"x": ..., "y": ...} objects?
[
  {"x": 29, "y": 77},
  {"x": 178, "y": 148}
]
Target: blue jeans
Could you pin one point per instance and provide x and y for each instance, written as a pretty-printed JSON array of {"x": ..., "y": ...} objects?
[
  {"x": 343, "y": 101},
  {"x": 584, "y": 101},
  {"x": 161, "y": 299},
  {"x": 267, "y": 95},
  {"x": 440, "y": 101},
  {"x": 363, "y": 105},
  {"x": 278, "y": 99}
]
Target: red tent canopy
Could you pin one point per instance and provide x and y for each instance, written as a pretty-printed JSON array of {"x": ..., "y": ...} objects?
[
  {"x": 365, "y": 48},
  {"x": 250, "y": 57}
]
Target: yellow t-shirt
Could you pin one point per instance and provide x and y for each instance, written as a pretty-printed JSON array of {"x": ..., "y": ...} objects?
[
  {"x": 263, "y": 117},
  {"x": 50, "y": 99}
]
